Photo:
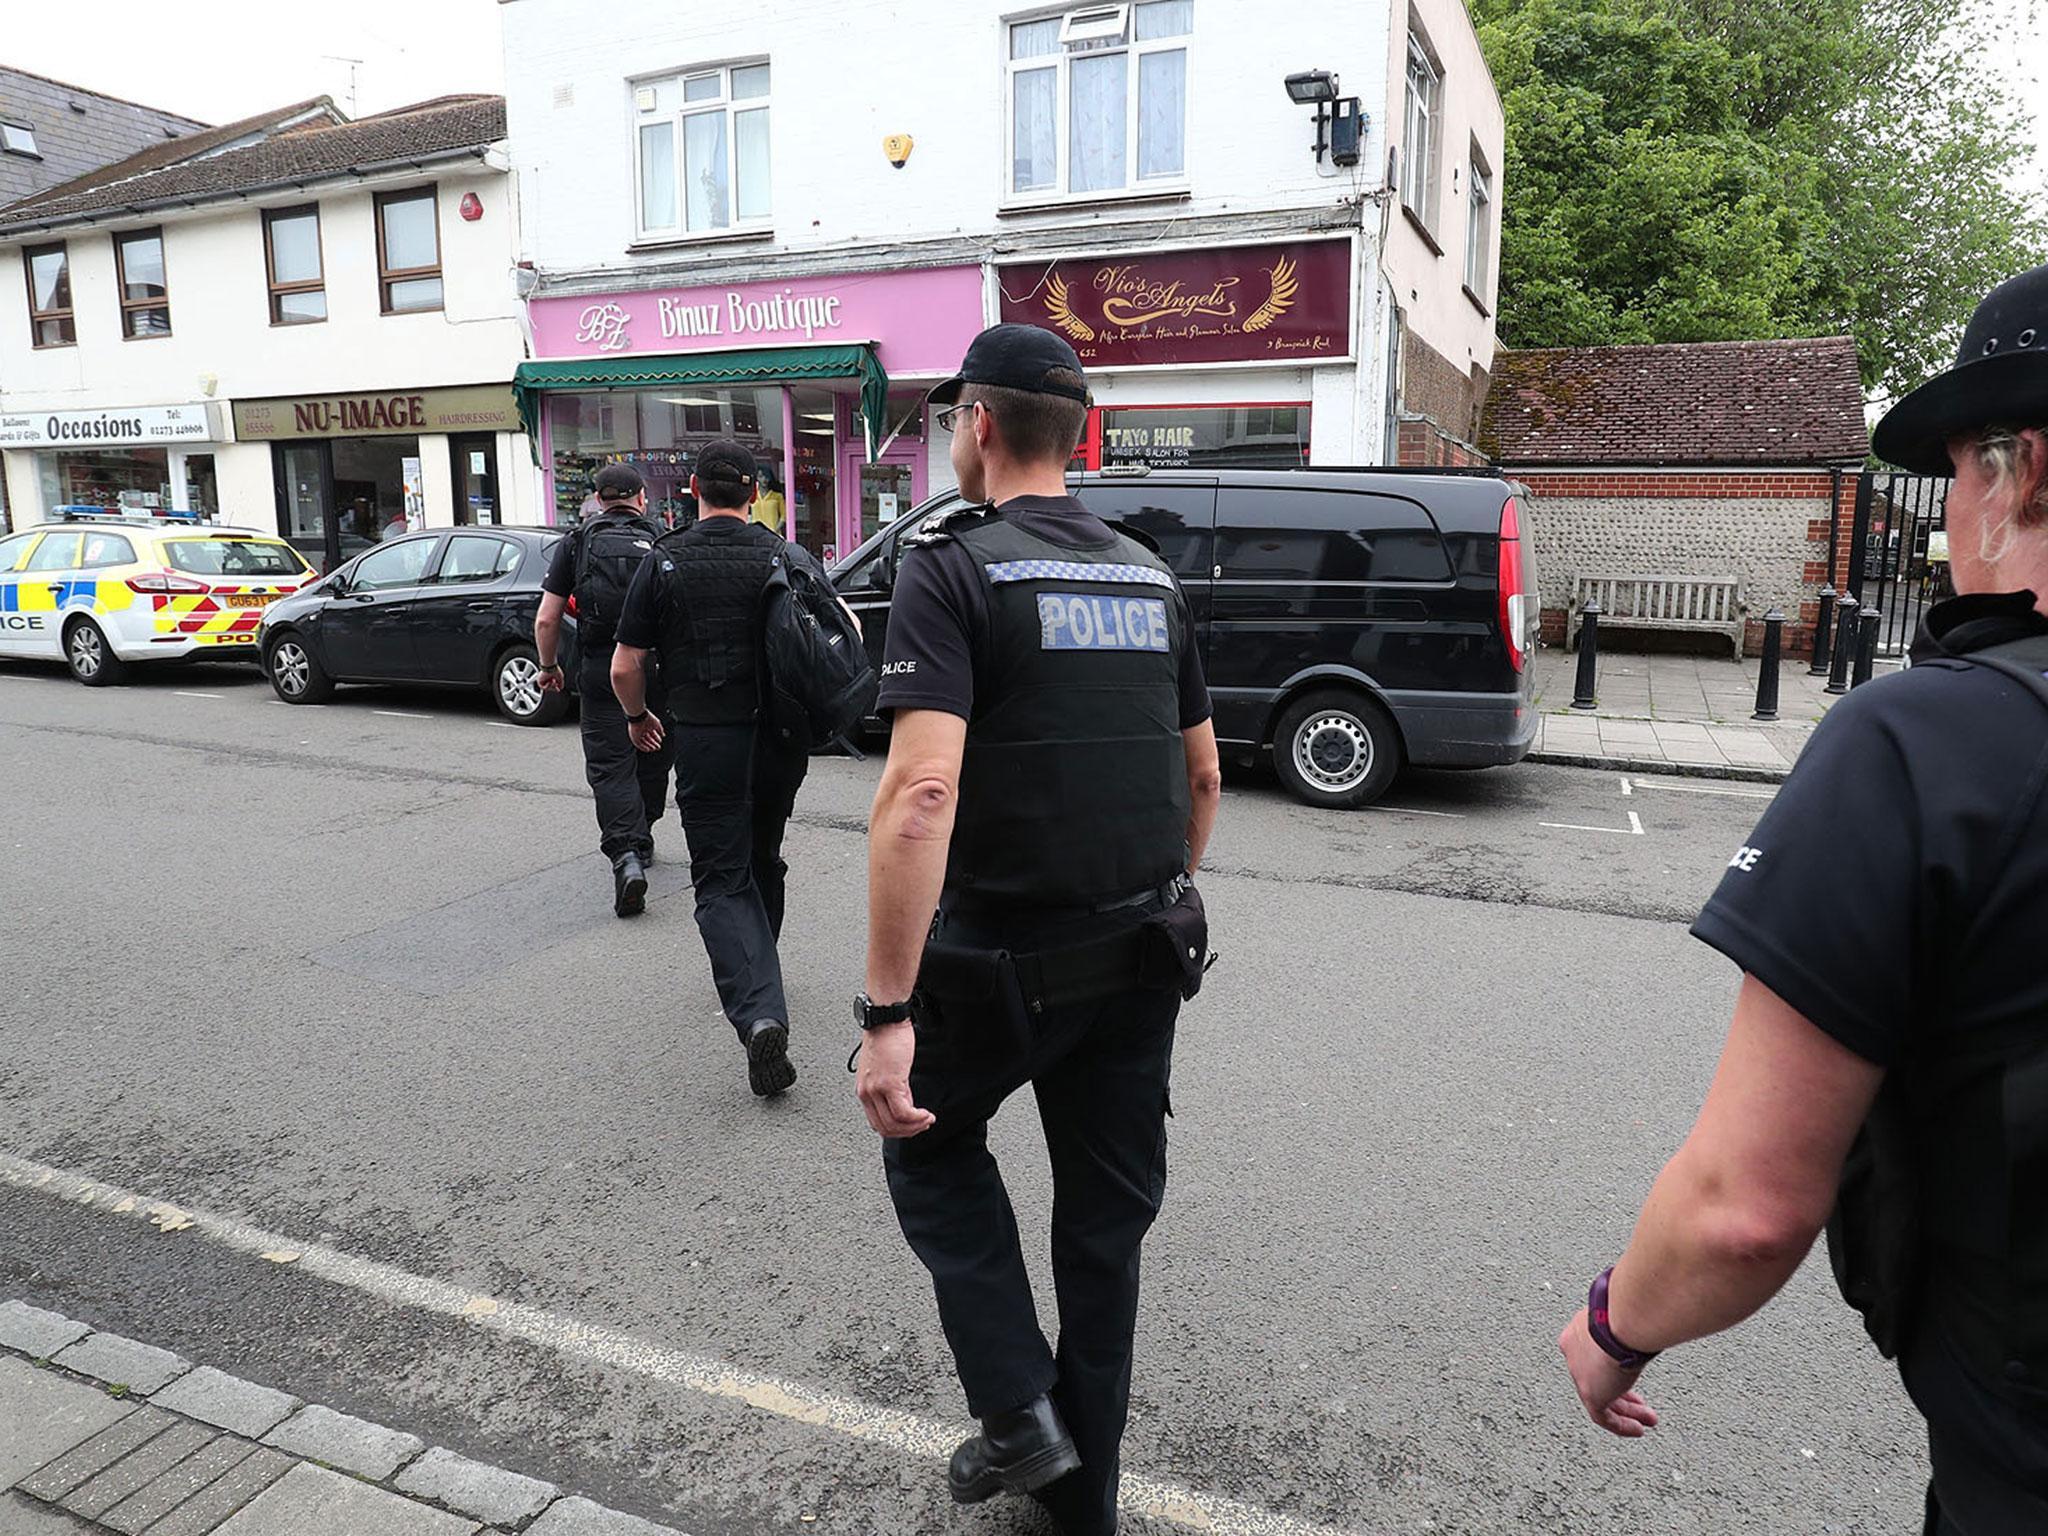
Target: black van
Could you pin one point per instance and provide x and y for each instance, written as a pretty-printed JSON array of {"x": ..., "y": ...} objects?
[{"x": 1350, "y": 620}]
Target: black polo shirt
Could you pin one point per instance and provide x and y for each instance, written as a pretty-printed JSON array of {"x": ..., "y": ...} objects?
[{"x": 1898, "y": 885}]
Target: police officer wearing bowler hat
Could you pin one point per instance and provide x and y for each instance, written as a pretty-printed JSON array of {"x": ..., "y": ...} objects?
[
  {"x": 1888, "y": 1058},
  {"x": 1051, "y": 783}
]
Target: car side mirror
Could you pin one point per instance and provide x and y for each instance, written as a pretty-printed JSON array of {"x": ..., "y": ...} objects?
[{"x": 882, "y": 575}]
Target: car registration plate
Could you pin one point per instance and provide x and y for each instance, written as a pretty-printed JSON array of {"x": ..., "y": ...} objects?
[{"x": 248, "y": 599}]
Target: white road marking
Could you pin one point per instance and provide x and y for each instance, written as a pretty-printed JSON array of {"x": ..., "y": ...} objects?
[
  {"x": 400, "y": 714},
  {"x": 1402, "y": 810},
  {"x": 1148, "y": 1497},
  {"x": 187, "y": 694},
  {"x": 1633, "y": 829},
  {"x": 1682, "y": 788},
  {"x": 1627, "y": 788}
]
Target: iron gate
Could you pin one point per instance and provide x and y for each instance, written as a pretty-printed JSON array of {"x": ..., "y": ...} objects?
[{"x": 1898, "y": 553}]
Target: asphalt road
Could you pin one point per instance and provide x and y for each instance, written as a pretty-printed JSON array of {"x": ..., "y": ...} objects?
[{"x": 349, "y": 973}]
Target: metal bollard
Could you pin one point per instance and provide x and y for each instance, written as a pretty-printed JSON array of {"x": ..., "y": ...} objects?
[
  {"x": 1866, "y": 646},
  {"x": 1767, "y": 669},
  {"x": 1845, "y": 647},
  {"x": 1823, "y": 632},
  {"x": 1589, "y": 656}
]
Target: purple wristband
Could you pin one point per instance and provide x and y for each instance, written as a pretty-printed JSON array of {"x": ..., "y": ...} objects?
[{"x": 1596, "y": 1324}]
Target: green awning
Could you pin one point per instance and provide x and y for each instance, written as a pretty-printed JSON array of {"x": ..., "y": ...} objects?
[{"x": 766, "y": 365}]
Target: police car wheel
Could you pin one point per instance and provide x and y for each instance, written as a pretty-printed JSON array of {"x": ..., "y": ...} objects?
[
  {"x": 295, "y": 673},
  {"x": 90, "y": 657},
  {"x": 515, "y": 684},
  {"x": 1336, "y": 748}
]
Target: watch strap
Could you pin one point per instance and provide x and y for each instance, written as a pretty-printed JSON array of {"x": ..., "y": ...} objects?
[
  {"x": 874, "y": 1015},
  {"x": 1603, "y": 1334}
]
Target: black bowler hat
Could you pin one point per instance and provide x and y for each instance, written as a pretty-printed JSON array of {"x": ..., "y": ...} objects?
[
  {"x": 2000, "y": 379},
  {"x": 618, "y": 482},
  {"x": 1015, "y": 357}
]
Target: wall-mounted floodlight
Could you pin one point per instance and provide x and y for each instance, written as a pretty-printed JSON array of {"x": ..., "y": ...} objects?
[{"x": 1340, "y": 120}]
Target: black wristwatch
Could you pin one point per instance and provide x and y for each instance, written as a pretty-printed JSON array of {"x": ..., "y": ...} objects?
[
  {"x": 636, "y": 719},
  {"x": 869, "y": 1014}
]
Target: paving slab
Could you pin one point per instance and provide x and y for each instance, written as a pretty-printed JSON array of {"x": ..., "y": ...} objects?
[
  {"x": 21, "y": 1515},
  {"x": 123, "y": 1362},
  {"x": 228, "y": 1402},
  {"x": 36, "y": 1332},
  {"x": 490, "y": 1493},
  {"x": 94, "y": 1456},
  {"x": 139, "y": 1468},
  {"x": 312, "y": 1501},
  {"x": 354, "y": 1445},
  {"x": 165, "y": 1492},
  {"x": 42, "y": 1416},
  {"x": 580, "y": 1517},
  {"x": 219, "y": 1499}
]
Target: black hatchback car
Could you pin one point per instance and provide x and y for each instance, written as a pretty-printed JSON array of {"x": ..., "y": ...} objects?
[
  {"x": 452, "y": 608},
  {"x": 1350, "y": 620}
]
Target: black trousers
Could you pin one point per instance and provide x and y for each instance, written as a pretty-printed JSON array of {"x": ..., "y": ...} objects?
[
  {"x": 630, "y": 786},
  {"x": 737, "y": 790},
  {"x": 1100, "y": 1071}
]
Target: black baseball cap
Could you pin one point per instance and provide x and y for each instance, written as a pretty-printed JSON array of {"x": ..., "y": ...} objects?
[
  {"x": 726, "y": 462},
  {"x": 618, "y": 482},
  {"x": 1015, "y": 357}
]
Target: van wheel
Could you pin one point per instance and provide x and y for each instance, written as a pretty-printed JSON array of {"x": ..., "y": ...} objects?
[
  {"x": 91, "y": 659},
  {"x": 1337, "y": 748},
  {"x": 515, "y": 684},
  {"x": 295, "y": 673}
]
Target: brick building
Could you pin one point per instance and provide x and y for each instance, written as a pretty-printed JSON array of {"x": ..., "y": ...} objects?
[{"x": 1702, "y": 459}]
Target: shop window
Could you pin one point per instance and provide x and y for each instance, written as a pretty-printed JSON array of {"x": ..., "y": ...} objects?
[
  {"x": 1479, "y": 231},
  {"x": 106, "y": 549},
  {"x": 298, "y": 284},
  {"x": 403, "y": 564},
  {"x": 1420, "y": 149},
  {"x": 409, "y": 251},
  {"x": 19, "y": 139},
  {"x": 1282, "y": 534},
  {"x": 658, "y": 432},
  {"x": 145, "y": 289},
  {"x": 815, "y": 491},
  {"x": 134, "y": 480},
  {"x": 700, "y": 152},
  {"x": 1098, "y": 99},
  {"x": 49, "y": 296},
  {"x": 474, "y": 558},
  {"x": 1198, "y": 436}
]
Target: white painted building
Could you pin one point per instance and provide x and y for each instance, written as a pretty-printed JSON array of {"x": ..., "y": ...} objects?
[
  {"x": 785, "y": 221},
  {"x": 312, "y": 334}
]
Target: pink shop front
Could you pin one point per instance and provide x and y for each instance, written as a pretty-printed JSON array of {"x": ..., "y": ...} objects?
[{"x": 822, "y": 377}]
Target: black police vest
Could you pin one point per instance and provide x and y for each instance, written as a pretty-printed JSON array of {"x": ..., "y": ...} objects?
[
  {"x": 711, "y": 625},
  {"x": 1073, "y": 785},
  {"x": 1944, "y": 1198}
]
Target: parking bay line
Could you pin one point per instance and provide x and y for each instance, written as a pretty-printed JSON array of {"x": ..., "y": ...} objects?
[
  {"x": 1403, "y": 810},
  {"x": 186, "y": 693},
  {"x": 400, "y": 714},
  {"x": 1633, "y": 829},
  {"x": 1705, "y": 789},
  {"x": 1146, "y": 1497}
]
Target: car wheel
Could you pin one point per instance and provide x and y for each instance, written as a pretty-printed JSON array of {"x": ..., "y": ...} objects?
[
  {"x": 1336, "y": 747},
  {"x": 515, "y": 684},
  {"x": 294, "y": 672},
  {"x": 90, "y": 657}
]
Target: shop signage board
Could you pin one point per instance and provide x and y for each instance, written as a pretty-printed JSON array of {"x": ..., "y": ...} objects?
[
  {"x": 379, "y": 413},
  {"x": 1235, "y": 304},
  {"x": 126, "y": 427}
]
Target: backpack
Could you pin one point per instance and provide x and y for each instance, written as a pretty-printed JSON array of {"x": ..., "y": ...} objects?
[
  {"x": 818, "y": 683},
  {"x": 609, "y": 551}
]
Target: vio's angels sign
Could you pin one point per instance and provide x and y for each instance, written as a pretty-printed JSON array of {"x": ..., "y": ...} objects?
[{"x": 1259, "y": 303}]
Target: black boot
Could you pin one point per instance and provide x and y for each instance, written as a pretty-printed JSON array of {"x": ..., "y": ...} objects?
[
  {"x": 769, "y": 1071},
  {"x": 629, "y": 885},
  {"x": 1016, "y": 1452}
]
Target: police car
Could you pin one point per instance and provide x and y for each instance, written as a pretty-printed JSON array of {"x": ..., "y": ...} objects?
[{"x": 100, "y": 591}]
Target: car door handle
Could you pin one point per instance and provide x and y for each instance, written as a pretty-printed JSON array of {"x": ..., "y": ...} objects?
[{"x": 480, "y": 606}]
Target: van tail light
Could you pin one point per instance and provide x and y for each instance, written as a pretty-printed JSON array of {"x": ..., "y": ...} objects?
[
  {"x": 1517, "y": 602},
  {"x": 164, "y": 581}
]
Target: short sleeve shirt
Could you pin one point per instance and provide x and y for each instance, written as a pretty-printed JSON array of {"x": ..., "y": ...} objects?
[{"x": 939, "y": 619}]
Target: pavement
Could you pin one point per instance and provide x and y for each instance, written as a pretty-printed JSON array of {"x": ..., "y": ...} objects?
[{"x": 342, "y": 984}]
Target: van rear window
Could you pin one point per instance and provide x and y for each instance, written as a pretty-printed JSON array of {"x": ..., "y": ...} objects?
[
  {"x": 1283, "y": 534},
  {"x": 234, "y": 557}
]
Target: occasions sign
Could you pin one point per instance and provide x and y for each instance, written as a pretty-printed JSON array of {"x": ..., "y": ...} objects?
[
  {"x": 1254, "y": 303},
  {"x": 132, "y": 426}
]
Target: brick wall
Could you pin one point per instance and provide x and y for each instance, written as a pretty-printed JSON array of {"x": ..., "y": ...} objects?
[
  {"x": 1438, "y": 390},
  {"x": 1422, "y": 444}
]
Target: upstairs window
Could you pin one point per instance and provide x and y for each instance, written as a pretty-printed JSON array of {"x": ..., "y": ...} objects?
[
  {"x": 49, "y": 296},
  {"x": 145, "y": 291},
  {"x": 1420, "y": 150},
  {"x": 700, "y": 152},
  {"x": 291, "y": 249},
  {"x": 409, "y": 251},
  {"x": 19, "y": 139},
  {"x": 1098, "y": 99},
  {"x": 1479, "y": 230}
]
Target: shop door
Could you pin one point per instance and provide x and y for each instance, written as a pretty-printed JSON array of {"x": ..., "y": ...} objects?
[
  {"x": 474, "y": 460},
  {"x": 305, "y": 501},
  {"x": 888, "y": 488}
]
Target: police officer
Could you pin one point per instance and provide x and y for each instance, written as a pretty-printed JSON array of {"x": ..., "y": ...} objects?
[
  {"x": 1051, "y": 783},
  {"x": 594, "y": 564},
  {"x": 1889, "y": 1052},
  {"x": 698, "y": 604}
]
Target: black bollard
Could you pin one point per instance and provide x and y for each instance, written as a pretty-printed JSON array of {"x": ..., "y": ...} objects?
[
  {"x": 1823, "y": 633},
  {"x": 1589, "y": 656},
  {"x": 1767, "y": 669},
  {"x": 1845, "y": 647},
  {"x": 1866, "y": 646}
]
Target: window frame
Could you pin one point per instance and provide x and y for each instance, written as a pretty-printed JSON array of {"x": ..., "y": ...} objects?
[
  {"x": 1061, "y": 61},
  {"x": 388, "y": 277},
  {"x": 438, "y": 577},
  {"x": 52, "y": 540},
  {"x": 732, "y": 107},
  {"x": 429, "y": 562},
  {"x": 85, "y": 550},
  {"x": 131, "y": 307},
  {"x": 1426, "y": 203},
  {"x": 10, "y": 125},
  {"x": 1479, "y": 205},
  {"x": 37, "y": 318},
  {"x": 318, "y": 284}
]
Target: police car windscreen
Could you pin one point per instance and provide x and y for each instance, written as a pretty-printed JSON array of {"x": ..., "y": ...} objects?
[{"x": 233, "y": 557}]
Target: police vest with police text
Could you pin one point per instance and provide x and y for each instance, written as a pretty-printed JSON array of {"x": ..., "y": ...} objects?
[
  {"x": 711, "y": 623},
  {"x": 1073, "y": 785}
]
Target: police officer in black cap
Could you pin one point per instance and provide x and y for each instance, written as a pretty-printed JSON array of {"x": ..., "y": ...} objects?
[
  {"x": 1051, "y": 783},
  {"x": 1889, "y": 1052},
  {"x": 698, "y": 605},
  {"x": 594, "y": 566}
]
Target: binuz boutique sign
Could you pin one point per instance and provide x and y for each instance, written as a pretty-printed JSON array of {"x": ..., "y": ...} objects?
[{"x": 1250, "y": 303}]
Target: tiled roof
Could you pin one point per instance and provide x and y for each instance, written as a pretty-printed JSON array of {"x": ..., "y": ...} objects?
[
  {"x": 316, "y": 151},
  {"x": 76, "y": 131},
  {"x": 1713, "y": 402}
]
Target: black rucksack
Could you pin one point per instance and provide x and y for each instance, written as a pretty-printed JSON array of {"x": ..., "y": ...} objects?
[
  {"x": 819, "y": 683},
  {"x": 609, "y": 551}
]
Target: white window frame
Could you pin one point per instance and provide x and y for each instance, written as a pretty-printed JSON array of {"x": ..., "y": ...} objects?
[
  {"x": 1092, "y": 39},
  {"x": 1479, "y": 215},
  {"x": 731, "y": 108},
  {"x": 19, "y": 139},
  {"x": 1421, "y": 197}
]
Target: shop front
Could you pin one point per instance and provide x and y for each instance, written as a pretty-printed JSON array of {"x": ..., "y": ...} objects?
[
  {"x": 351, "y": 470},
  {"x": 822, "y": 378},
  {"x": 155, "y": 461}
]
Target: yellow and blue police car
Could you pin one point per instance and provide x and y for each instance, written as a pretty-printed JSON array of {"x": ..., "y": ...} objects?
[{"x": 100, "y": 591}]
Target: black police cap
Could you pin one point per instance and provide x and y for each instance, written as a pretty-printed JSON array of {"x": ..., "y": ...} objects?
[
  {"x": 1020, "y": 357},
  {"x": 726, "y": 462},
  {"x": 619, "y": 482}
]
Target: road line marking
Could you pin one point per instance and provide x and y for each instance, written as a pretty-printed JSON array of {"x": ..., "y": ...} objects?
[
  {"x": 400, "y": 714},
  {"x": 1402, "y": 810},
  {"x": 1146, "y": 1497},
  {"x": 1627, "y": 788},
  {"x": 1633, "y": 829},
  {"x": 1707, "y": 789},
  {"x": 185, "y": 693}
]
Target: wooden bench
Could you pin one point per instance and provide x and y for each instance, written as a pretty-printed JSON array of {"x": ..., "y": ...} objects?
[{"x": 1699, "y": 604}]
